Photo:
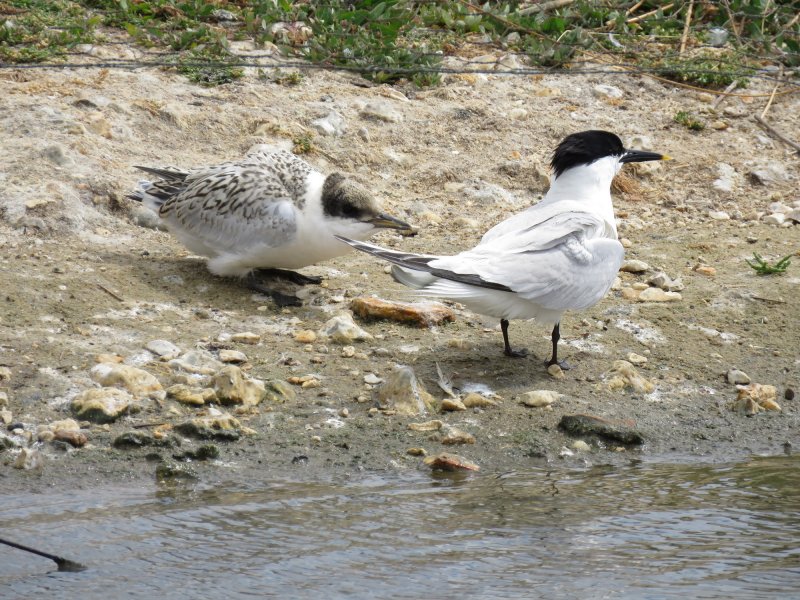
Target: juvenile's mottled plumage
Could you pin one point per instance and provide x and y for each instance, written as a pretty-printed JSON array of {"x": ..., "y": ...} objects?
[
  {"x": 560, "y": 254},
  {"x": 270, "y": 210}
]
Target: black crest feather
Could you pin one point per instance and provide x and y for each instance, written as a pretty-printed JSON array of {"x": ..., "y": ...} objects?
[{"x": 584, "y": 148}]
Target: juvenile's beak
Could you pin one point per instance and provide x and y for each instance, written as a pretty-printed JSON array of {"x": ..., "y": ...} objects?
[
  {"x": 642, "y": 156},
  {"x": 385, "y": 221}
]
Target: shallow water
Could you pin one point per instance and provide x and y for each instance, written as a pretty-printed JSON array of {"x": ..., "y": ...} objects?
[{"x": 645, "y": 531}]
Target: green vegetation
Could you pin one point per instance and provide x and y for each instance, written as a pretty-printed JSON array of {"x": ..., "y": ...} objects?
[
  {"x": 762, "y": 267},
  {"x": 688, "y": 120},
  {"x": 391, "y": 40}
]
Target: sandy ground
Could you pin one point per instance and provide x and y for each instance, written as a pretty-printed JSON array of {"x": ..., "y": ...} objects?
[{"x": 82, "y": 277}]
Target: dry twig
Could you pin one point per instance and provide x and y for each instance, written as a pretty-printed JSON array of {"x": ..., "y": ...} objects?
[
  {"x": 777, "y": 135},
  {"x": 650, "y": 13},
  {"x": 686, "y": 27}
]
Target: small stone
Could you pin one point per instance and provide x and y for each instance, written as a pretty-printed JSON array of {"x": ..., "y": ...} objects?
[
  {"x": 76, "y": 439},
  {"x": 133, "y": 439},
  {"x": 104, "y": 405},
  {"x": 434, "y": 425},
  {"x": 29, "y": 459},
  {"x": 416, "y": 452},
  {"x": 344, "y": 412},
  {"x": 608, "y": 92},
  {"x": 474, "y": 400},
  {"x": 624, "y": 375},
  {"x": 372, "y": 379},
  {"x": 719, "y": 125},
  {"x": 452, "y": 405},
  {"x": 306, "y": 336},
  {"x": 719, "y": 215},
  {"x": 774, "y": 219},
  {"x": 420, "y": 314},
  {"x": 311, "y": 383},
  {"x": 665, "y": 282},
  {"x": 348, "y": 351},
  {"x": 343, "y": 330},
  {"x": 137, "y": 381},
  {"x": 246, "y": 337},
  {"x": 222, "y": 427},
  {"x": 6, "y": 416},
  {"x": 556, "y": 372},
  {"x": 755, "y": 397},
  {"x": 5, "y": 373},
  {"x": 639, "y": 286},
  {"x": 405, "y": 394},
  {"x": 727, "y": 178},
  {"x": 630, "y": 294},
  {"x": 634, "y": 266},
  {"x": 278, "y": 391},
  {"x": 331, "y": 124},
  {"x": 539, "y": 398},
  {"x": 64, "y": 425},
  {"x": 232, "y": 356},
  {"x": 450, "y": 462},
  {"x": 517, "y": 114},
  {"x": 737, "y": 377},
  {"x": 581, "y": 446},
  {"x": 636, "y": 359},
  {"x": 788, "y": 394},
  {"x": 232, "y": 386},
  {"x": 166, "y": 350},
  {"x": 583, "y": 425},
  {"x": 381, "y": 111},
  {"x": 199, "y": 362},
  {"x": 453, "y": 435},
  {"x": 654, "y": 294},
  {"x": 193, "y": 396},
  {"x": 706, "y": 270}
]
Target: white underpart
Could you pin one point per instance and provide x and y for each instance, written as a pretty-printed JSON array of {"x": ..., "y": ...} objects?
[{"x": 560, "y": 254}]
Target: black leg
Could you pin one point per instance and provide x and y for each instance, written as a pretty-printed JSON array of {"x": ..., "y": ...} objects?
[
  {"x": 522, "y": 353},
  {"x": 554, "y": 360},
  {"x": 291, "y": 276}
]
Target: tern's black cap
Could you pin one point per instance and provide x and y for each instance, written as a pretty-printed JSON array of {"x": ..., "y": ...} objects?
[{"x": 584, "y": 148}]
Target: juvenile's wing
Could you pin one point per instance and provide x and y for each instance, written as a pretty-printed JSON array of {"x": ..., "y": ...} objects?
[{"x": 232, "y": 206}]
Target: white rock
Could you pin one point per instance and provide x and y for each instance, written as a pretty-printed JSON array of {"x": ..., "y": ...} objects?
[
  {"x": 663, "y": 281},
  {"x": 727, "y": 178},
  {"x": 137, "y": 381},
  {"x": 163, "y": 348},
  {"x": 737, "y": 377},
  {"x": 634, "y": 266},
  {"x": 537, "y": 398},
  {"x": 653, "y": 294},
  {"x": 581, "y": 446},
  {"x": 636, "y": 359},
  {"x": 372, "y": 379},
  {"x": 602, "y": 90},
  {"x": 343, "y": 330},
  {"x": 200, "y": 362},
  {"x": 331, "y": 124},
  {"x": 382, "y": 111},
  {"x": 102, "y": 405},
  {"x": 719, "y": 215},
  {"x": 774, "y": 219}
]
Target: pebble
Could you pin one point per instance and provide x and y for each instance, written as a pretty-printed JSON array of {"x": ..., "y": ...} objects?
[
  {"x": 372, "y": 379},
  {"x": 706, "y": 270},
  {"x": 306, "y": 336},
  {"x": 104, "y": 405},
  {"x": 581, "y": 446},
  {"x": 29, "y": 459},
  {"x": 755, "y": 397},
  {"x": 636, "y": 359},
  {"x": 654, "y": 294},
  {"x": 539, "y": 398},
  {"x": 727, "y": 178},
  {"x": 453, "y": 436},
  {"x": 137, "y": 381},
  {"x": 278, "y": 391},
  {"x": 610, "y": 92},
  {"x": 634, "y": 266},
  {"x": 445, "y": 461},
  {"x": 665, "y": 282},
  {"x": 420, "y": 314},
  {"x": 583, "y": 425},
  {"x": 76, "y": 439},
  {"x": 331, "y": 124},
  {"x": 193, "y": 396},
  {"x": 232, "y": 356},
  {"x": 434, "y": 425},
  {"x": 348, "y": 351},
  {"x": 344, "y": 412},
  {"x": 719, "y": 215},
  {"x": 246, "y": 337},
  {"x": 5, "y": 373},
  {"x": 630, "y": 294},
  {"x": 556, "y": 372},
  {"x": 737, "y": 377},
  {"x": 6, "y": 416},
  {"x": 452, "y": 405},
  {"x": 774, "y": 219},
  {"x": 624, "y": 375},
  {"x": 405, "y": 394},
  {"x": 212, "y": 427},
  {"x": 166, "y": 350},
  {"x": 639, "y": 286},
  {"x": 343, "y": 330},
  {"x": 474, "y": 400},
  {"x": 416, "y": 451},
  {"x": 232, "y": 386},
  {"x": 200, "y": 362},
  {"x": 381, "y": 111}
]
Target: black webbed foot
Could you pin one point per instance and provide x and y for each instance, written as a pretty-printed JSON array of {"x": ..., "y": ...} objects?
[{"x": 291, "y": 276}]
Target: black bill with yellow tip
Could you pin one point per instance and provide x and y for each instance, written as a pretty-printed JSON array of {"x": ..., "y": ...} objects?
[
  {"x": 642, "y": 156},
  {"x": 385, "y": 221}
]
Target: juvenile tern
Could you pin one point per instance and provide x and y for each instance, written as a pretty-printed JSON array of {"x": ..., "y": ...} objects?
[
  {"x": 560, "y": 254},
  {"x": 260, "y": 215}
]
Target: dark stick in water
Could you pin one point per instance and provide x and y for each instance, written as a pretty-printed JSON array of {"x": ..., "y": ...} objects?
[{"x": 63, "y": 563}]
